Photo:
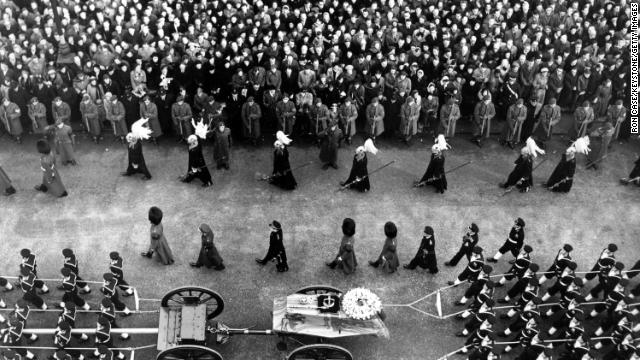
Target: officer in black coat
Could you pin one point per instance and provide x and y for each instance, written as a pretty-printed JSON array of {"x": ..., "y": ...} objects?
[
  {"x": 469, "y": 241},
  {"x": 426, "y": 255},
  {"x": 276, "y": 250},
  {"x": 513, "y": 243}
]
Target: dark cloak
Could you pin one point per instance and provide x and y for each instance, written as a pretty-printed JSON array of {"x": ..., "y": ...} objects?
[
  {"x": 435, "y": 174},
  {"x": 359, "y": 170},
  {"x": 523, "y": 170},
  {"x": 282, "y": 176},
  {"x": 564, "y": 169},
  {"x": 209, "y": 255}
]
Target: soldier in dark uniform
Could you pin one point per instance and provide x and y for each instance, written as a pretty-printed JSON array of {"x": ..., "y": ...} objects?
[
  {"x": 477, "y": 285},
  {"x": 476, "y": 261},
  {"x": 109, "y": 290},
  {"x": 469, "y": 241},
  {"x": 559, "y": 263},
  {"x": 531, "y": 329},
  {"x": 513, "y": 243},
  {"x": 28, "y": 285},
  {"x": 485, "y": 293},
  {"x": 519, "y": 267},
  {"x": 426, "y": 255},
  {"x": 533, "y": 350},
  {"x": 482, "y": 314},
  {"x": 71, "y": 290},
  {"x": 104, "y": 340},
  {"x": 608, "y": 252},
  {"x": 607, "y": 281},
  {"x": 14, "y": 337},
  {"x": 573, "y": 314},
  {"x": 71, "y": 263},
  {"x": 331, "y": 138},
  {"x": 136, "y": 158},
  {"x": 21, "y": 314},
  {"x": 108, "y": 311},
  {"x": 475, "y": 340},
  {"x": 571, "y": 294},
  {"x": 276, "y": 250},
  {"x": 115, "y": 266},
  {"x": 346, "y": 258},
  {"x": 526, "y": 312},
  {"x": 527, "y": 287},
  {"x": 565, "y": 279},
  {"x": 69, "y": 316},
  {"x": 611, "y": 300},
  {"x": 484, "y": 351},
  {"x": 62, "y": 338}
]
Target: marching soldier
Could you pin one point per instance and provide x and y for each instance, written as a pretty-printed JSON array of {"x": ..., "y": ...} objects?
[
  {"x": 531, "y": 329},
  {"x": 476, "y": 339},
  {"x": 519, "y": 267},
  {"x": 484, "y": 313},
  {"x": 485, "y": 350},
  {"x": 578, "y": 349},
  {"x": 513, "y": 243},
  {"x": 563, "y": 257},
  {"x": 566, "y": 278},
  {"x": 108, "y": 311},
  {"x": 68, "y": 315},
  {"x": 115, "y": 266},
  {"x": 529, "y": 291},
  {"x": 181, "y": 115},
  {"x": 13, "y": 336},
  {"x": 62, "y": 338},
  {"x": 607, "y": 281},
  {"x": 624, "y": 348},
  {"x": 426, "y": 255},
  {"x": 71, "y": 290},
  {"x": 469, "y": 241},
  {"x": 534, "y": 350},
  {"x": 612, "y": 299},
  {"x": 470, "y": 273},
  {"x": 71, "y": 263},
  {"x": 566, "y": 297},
  {"x": 21, "y": 314},
  {"x": 527, "y": 312},
  {"x": 573, "y": 313},
  {"x": 608, "y": 252},
  {"x": 477, "y": 285},
  {"x": 7, "y": 287},
  {"x": 104, "y": 341},
  {"x": 109, "y": 290},
  {"x": 485, "y": 294},
  {"x": 619, "y": 319},
  {"x": 28, "y": 285}
]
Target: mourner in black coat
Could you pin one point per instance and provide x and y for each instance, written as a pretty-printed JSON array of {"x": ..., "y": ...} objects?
[
  {"x": 426, "y": 255},
  {"x": 208, "y": 255},
  {"x": 561, "y": 178},
  {"x": 634, "y": 176},
  {"x": 276, "y": 250},
  {"x": 136, "y": 158},
  {"x": 282, "y": 176},
  {"x": 197, "y": 165}
]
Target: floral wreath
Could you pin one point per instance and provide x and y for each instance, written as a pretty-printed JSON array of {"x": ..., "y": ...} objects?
[{"x": 361, "y": 304}]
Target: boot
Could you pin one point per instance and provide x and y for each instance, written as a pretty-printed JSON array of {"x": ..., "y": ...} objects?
[{"x": 148, "y": 254}]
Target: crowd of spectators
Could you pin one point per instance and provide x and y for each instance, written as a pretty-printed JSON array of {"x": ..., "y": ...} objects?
[{"x": 392, "y": 67}]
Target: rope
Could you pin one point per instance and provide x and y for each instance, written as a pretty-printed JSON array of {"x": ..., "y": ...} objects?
[
  {"x": 60, "y": 280},
  {"x": 87, "y": 311},
  {"x": 75, "y": 348}
]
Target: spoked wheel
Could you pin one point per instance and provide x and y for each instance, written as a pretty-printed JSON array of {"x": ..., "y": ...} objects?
[
  {"x": 189, "y": 352},
  {"x": 320, "y": 352},
  {"x": 195, "y": 295},
  {"x": 319, "y": 289}
]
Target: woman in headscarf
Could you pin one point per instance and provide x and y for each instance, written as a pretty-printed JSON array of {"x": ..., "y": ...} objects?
[
  {"x": 435, "y": 174},
  {"x": 209, "y": 255},
  {"x": 51, "y": 181},
  {"x": 282, "y": 176},
  {"x": 276, "y": 250},
  {"x": 158, "y": 242},
  {"x": 346, "y": 258},
  {"x": 359, "y": 176},
  {"x": 388, "y": 256}
]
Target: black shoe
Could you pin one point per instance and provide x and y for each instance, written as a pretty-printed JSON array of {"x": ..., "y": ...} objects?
[
  {"x": 334, "y": 166},
  {"x": 260, "y": 261},
  {"x": 492, "y": 260},
  {"x": 450, "y": 282},
  {"x": 511, "y": 262},
  {"x": 195, "y": 264},
  {"x": 145, "y": 178},
  {"x": 42, "y": 188},
  {"x": 64, "y": 194},
  {"x": 10, "y": 191},
  {"x": 331, "y": 265},
  {"x": 448, "y": 263},
  {"x": 147, "y": 254},
  {"x": 373, "y": 263},
  {"x": 219, "y": 267},
  {"x": 207, "y": 184},
  {"x": 502, "y": 301},
  {"x": 406, "y": 266}
]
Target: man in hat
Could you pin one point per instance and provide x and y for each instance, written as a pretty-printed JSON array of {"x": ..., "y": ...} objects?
[
  {"x": 331, "y": 138},
  {"x": 69, "y": 285},
  {"x": 14, "y": 336},
  {"x": 115, "y": 113},
  {"x": 28, "y": 284},
  {"x": 562, "y": 259},
  {"x": 110, "y": 291},
  {"x": 108, "y": 311},
  {"x": 409, "y": 115},
  {"x": 181, "y": 116},
  {"x": 319, "y": 119},
  {"x": 426, "y": 255},
  {"x": 582, "y": 118},
  {"x": 276, "y": 251},
  {"x": 90, "y": 117},
  {"x": 616, "y": 115},
  {"x": 104, "y": 341},
  {"x": 483, "y": 113},
  {"x": 10, "y": 117},
  {"x": 38, "y": 115},
  {"x": 539, "y": 85},
  {"x": 548, "y": 118},
  {"x": 449, "y": 115},
  {"x": 606, "y": 254},
  {"x": 469, "y": 241},
  {"x": 516, "y": 115},
  {"x": 270, "y": 99},
  {"x": 375, "y": 114},
  {"x": 347, "y": 115},
  {"x": 71, "y": 263},
  {"x": 286, "y": 114},
  {"x": 513, "y": 243},
  {"x": 149, "y": 110},
  {"x": 61, "y": 111},
  {"x": 251, "y": 115}
]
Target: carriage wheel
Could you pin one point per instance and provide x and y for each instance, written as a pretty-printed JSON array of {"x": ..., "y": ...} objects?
[
  {"x": 320, "y": 352},
  {"x": 189, "y": 352},
  {"x": 319, "y": 289},
  {"x": 195, "y": 295}
]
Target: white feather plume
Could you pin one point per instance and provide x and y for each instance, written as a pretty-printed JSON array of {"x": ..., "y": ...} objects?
[
  {"x": 201, "y": 129},
  {"x": 532, "y": 148},
  {"x": 581, "y": 145},
  {"x": 441, "y": 143},
  {"x": 283, "y": 138},
  {"x": 139, "y": 130},
  {"x": 369, "y": 147}
]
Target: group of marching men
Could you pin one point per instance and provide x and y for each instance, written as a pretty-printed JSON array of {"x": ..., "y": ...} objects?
[
  {"x": 613, "y": 312},
  {"x": 11, "y": 327}
]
